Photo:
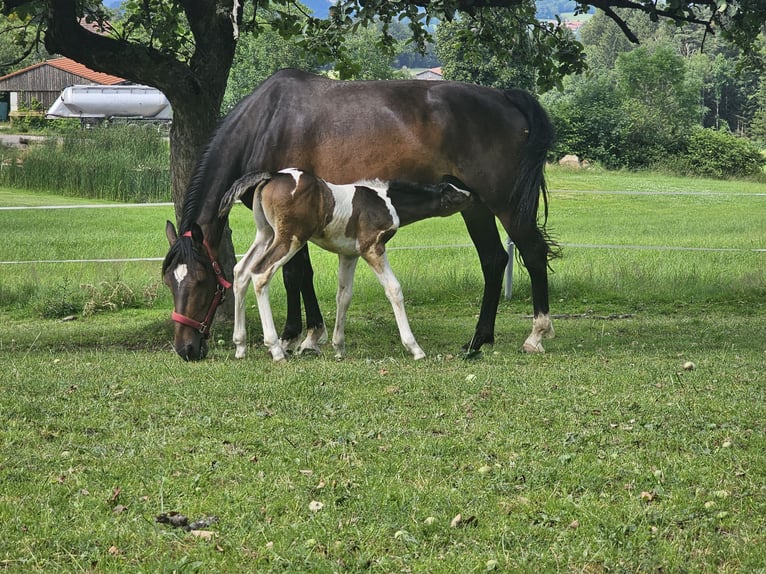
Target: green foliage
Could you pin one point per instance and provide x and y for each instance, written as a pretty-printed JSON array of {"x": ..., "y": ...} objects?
[
  {"x": 635, "y": 117},
  {"x": 589, "y": 121},
  {"x": 660, "y": 103},
  {"x": 719, "y": 154},
  {"x": 375, "y": 61},
  {"x": 124, "y": 163},
  {"x": 467, "y": 56},
  {"x": 62, "y": 301},
  {"x": 493, "y": 48},
  {"x": 257, "y": 57}
]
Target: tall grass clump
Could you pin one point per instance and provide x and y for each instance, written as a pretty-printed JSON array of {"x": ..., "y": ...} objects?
[{"x": 120, "y": 163}]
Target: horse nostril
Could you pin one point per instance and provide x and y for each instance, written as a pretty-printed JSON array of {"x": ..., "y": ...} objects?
[{"x": 187, "y": 353}]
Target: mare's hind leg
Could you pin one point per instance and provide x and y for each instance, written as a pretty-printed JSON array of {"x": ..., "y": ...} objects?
[
  {"x": 534, "y": 251},
  {"x": 481, "y": 226},
  {"x": 393, "y": 289},
  {"x": 346, "y": 270}
]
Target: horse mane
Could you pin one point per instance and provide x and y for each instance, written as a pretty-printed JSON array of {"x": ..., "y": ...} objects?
[{"x": 194, "y": 197}]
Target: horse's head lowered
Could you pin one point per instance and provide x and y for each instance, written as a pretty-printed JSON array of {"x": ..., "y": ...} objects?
[{"x": 194, "y": 277}]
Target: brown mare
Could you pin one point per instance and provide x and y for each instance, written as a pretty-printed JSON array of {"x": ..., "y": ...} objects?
[
  {"x": 494, "y": 141},
  {"x": 354, "y": 220}
]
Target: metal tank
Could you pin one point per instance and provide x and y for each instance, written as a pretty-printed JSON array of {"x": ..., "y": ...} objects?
[{"x": 97, "y": 103}]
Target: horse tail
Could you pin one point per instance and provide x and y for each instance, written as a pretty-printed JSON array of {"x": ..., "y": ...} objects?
[
  {"x": 530, "y": 183},
  {"x": 244, "y": 184}
]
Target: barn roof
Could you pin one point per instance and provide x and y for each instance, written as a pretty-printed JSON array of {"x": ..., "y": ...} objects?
[{"x": 71, "y": 67}]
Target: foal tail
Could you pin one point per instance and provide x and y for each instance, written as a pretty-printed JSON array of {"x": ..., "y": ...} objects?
[
  {"x": 239, "y": 188},
  {"x": 530, "y": 183}
]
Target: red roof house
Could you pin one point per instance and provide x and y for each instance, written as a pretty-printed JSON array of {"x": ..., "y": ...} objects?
[{"x": 42, "y": 83}]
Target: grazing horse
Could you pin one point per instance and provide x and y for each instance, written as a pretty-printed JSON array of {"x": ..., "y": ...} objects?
[
  {"x": 353, "y": 220},
  {"x": 494, "y": 141}
]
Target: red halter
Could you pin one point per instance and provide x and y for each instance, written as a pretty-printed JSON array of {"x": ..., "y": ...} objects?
[{"x": 220, "y": 294}]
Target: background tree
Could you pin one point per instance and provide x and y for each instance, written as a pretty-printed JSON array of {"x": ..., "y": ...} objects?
[
  {"x": 257, "y": 57},
  {"x": 186, "y": 48},
  {"x": 471, "y": 54}
]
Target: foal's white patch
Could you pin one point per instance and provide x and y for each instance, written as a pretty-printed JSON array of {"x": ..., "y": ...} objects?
[
  {"x": 180, "y": 273},
  {"x": 463, "y": 191},
  {"x": 296, "y": 173}
]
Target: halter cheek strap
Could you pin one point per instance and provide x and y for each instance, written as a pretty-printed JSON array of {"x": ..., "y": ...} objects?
[{"x": 220, "y": 294}]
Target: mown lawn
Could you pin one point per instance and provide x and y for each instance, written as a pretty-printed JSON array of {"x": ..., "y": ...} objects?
[{"x": 603, "y": 455}]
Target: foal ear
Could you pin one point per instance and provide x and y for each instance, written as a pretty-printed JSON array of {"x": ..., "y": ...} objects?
[{"x": 170, "y": 232}]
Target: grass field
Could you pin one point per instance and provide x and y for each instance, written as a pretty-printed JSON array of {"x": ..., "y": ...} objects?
[{"x": 603, "y": 455}]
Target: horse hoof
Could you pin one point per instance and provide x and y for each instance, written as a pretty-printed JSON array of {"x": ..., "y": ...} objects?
[
  {"x": 310, "y": 351},
  {"x": 278, "y": 355},
  {"x": 418, "y": 353},
  {"x": 472, "y": 354},
  {"x": 550, "y": 333},
  {"x": 289, "y": 345},
  {"x": 533, "y": 348},
  {"x": 239, "y": 353}
]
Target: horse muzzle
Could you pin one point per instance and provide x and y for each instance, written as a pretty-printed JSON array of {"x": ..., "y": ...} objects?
[{"x": 194, "y": 351}]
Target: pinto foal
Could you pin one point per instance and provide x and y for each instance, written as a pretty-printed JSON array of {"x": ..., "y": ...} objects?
[{"x": 293, "y": 207}]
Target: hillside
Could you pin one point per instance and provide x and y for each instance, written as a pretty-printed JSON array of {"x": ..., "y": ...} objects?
[{"x": 546, "y": 9}]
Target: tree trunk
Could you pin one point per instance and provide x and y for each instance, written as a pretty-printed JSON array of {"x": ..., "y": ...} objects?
[{"x": 195, "y": 88}]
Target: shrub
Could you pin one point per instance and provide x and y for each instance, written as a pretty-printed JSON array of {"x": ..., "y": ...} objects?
[
  {"x": 720, "y": 154},
  {"x": 122, "y": 163}
]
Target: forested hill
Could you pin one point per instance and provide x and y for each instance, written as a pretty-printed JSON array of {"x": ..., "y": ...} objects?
[{"x": 546, "y": 9}]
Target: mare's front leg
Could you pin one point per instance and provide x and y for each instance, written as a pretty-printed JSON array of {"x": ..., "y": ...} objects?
[
  {"x": 481, "y": 226},
  {"x": 316, "y": 333},
  {"x": 346, "y": 271},
  {"x": 293, "y": 274},
  {"x": 393, "y": 289},
  {"x": 298, "y": 276}
]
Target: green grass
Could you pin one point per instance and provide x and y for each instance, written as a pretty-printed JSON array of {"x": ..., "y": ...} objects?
[{"x": 603, "y": 455}]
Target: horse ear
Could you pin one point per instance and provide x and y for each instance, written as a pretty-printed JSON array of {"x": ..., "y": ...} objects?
[
  {"x": 196, "y": 232},
  {"x": 170, "y": 232}
]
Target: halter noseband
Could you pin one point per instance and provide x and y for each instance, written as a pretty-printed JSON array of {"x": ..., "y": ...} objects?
[{"x": 220, "y": 294}]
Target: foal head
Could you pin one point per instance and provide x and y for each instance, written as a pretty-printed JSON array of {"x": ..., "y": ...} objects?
[{"x": 195, "y": 280}]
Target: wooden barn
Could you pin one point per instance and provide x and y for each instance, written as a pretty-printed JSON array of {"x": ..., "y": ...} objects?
[{"x": 38, "y": 86}]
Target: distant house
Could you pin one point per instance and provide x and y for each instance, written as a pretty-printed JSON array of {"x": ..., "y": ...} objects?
[
  {"x": 432, "y": 74},
  {"x": 43, "y": 82}
]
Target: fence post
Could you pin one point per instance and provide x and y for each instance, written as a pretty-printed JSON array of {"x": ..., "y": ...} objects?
[{"x": 509, "y": 269}]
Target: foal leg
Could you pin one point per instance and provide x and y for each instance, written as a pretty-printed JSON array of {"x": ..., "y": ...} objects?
[
  {"x": 482, "y": 228},
  {"x": 241, "y": 283},
  {"x": 534, "y": 249},
  {"x": 346, "y": 270},
  {"x": 277, "y": 254},
  {"x": 393, "y": 289}
]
